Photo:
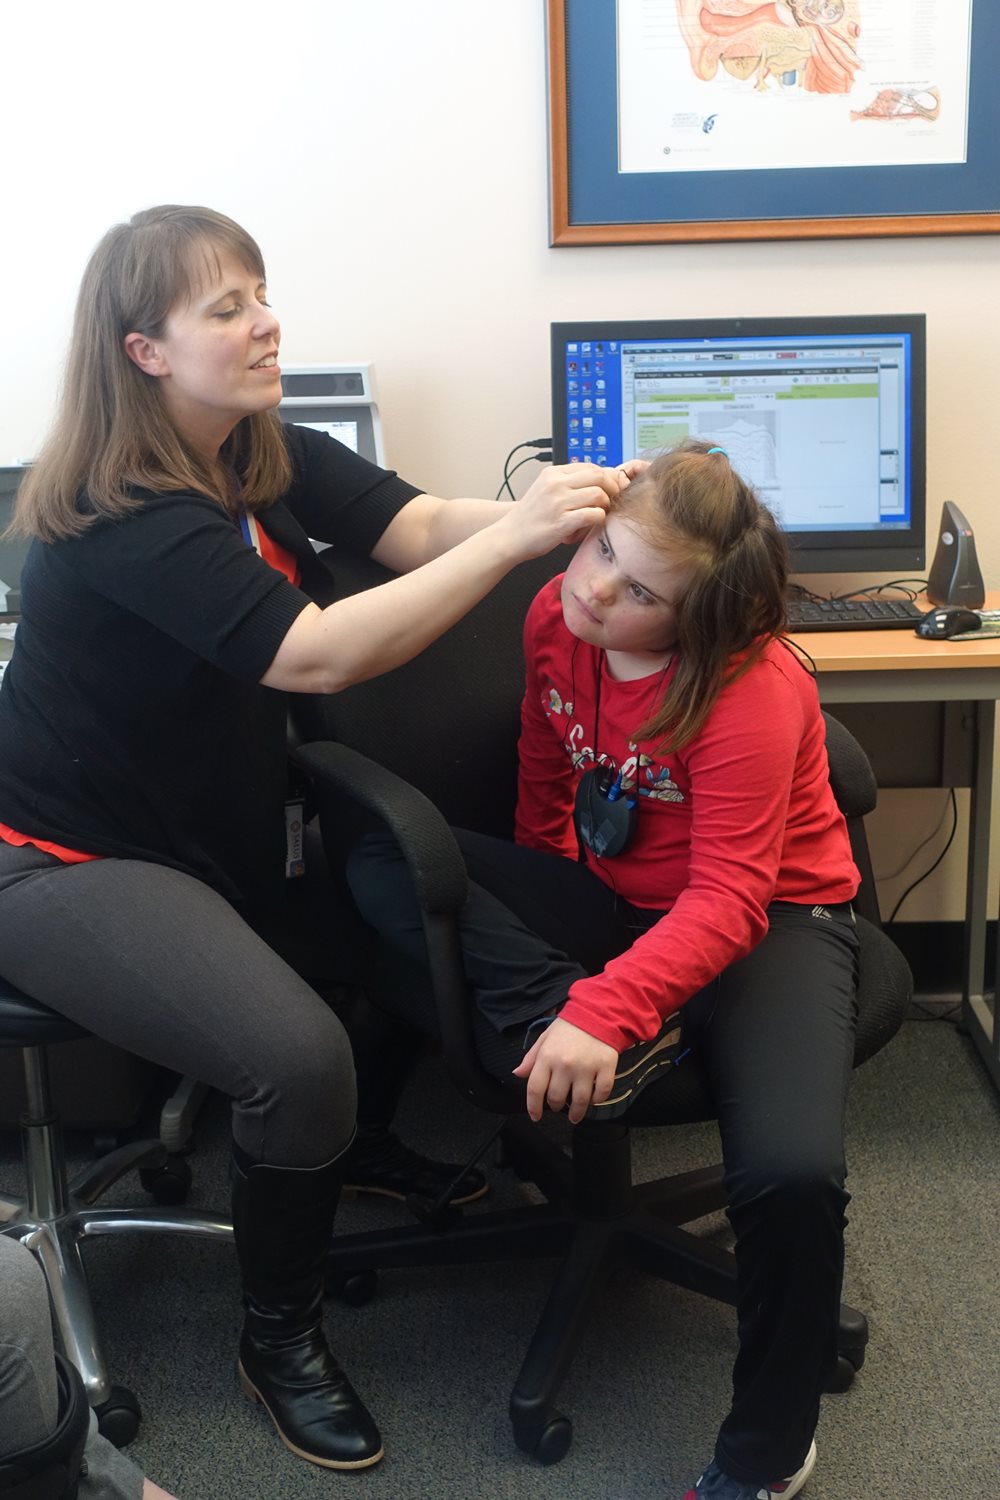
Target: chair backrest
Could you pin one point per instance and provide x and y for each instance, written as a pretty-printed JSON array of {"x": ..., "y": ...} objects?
[
  {"x": 854, "y": 787},
  {"x": 447, "y": 721}
]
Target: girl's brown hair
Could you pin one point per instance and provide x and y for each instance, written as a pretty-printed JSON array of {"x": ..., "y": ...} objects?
[
  {"x": 112, "y": 433},
  {"x": 693, "y": 504}
]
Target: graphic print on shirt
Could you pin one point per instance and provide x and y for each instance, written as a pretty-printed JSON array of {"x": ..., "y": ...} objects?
[{"x": 640, "y": 774}]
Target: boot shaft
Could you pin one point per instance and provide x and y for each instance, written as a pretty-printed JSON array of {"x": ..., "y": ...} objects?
[{"x": 282, "y": 1225}]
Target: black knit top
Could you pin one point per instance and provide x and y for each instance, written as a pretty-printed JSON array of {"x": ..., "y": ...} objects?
[{"x": 132, "y": 719}]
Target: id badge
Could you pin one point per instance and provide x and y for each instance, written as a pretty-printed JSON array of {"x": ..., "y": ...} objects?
[{"x": 295, "y": 859}]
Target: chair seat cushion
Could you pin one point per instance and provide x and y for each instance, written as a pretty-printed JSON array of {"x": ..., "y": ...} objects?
[{"x": 27, "y": 1023}]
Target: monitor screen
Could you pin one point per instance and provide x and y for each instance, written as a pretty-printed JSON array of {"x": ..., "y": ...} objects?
[
  {"x": 13, "y": 550},
  {"x": 825, "y": 417}
]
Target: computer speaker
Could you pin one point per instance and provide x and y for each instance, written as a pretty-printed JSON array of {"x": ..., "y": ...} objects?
[{"x": 954, "y": 577}]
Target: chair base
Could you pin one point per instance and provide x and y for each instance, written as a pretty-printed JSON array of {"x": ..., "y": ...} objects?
[
  {"x": 53, "y": 1219},
  {"x": 595, "y": 1220}
]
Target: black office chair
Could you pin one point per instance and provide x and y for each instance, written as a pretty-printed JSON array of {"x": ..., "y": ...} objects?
[
  {"x": 53, "y": 1216},
  {"x": 448, "y": 723}
]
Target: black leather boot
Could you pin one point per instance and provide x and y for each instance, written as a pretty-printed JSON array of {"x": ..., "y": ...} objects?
[{"x": 282, "y": 1223}]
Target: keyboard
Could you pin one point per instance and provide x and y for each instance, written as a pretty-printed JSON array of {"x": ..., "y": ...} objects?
[{"x": 853, "y": 614}]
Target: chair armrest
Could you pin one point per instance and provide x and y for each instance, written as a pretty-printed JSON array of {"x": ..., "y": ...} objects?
[
  {"x": 439, "y": 875},
  {"x": 432, "y": 854}
]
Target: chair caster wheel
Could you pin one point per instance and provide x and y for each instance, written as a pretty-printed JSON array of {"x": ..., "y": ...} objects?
[
  {"x": 118, "y": 1417},
  {"x": 354, "y": 1289},
  {"x": 852, "y": 1340},
  {"x": 548, "y": 1443},
  {"x": 843, "y": 1375},
  {"x": 170, "y": 1183}
]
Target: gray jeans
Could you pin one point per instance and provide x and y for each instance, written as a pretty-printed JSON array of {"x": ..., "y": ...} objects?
[
  {"x": 158, "y": 963},
  {"x": 28, "y": 1400}
]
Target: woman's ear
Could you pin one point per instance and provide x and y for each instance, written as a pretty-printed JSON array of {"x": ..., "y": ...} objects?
[{"x": 146, "y": 353}]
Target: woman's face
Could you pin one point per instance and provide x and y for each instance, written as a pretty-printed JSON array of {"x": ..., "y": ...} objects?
[
  {"x": 217, "y": 357},
  {"x": 620, "y": 592}
]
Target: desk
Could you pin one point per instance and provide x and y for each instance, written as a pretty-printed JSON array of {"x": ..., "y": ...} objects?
[{"x": 896, "y": 666}]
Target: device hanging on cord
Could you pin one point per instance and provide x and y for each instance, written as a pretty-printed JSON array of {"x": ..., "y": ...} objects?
[{"x": 604, "y": 813}]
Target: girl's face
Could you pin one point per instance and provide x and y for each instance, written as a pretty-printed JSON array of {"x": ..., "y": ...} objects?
[
  {"x": 217, "y": 357},
  {"x": 621, "y": 593}
]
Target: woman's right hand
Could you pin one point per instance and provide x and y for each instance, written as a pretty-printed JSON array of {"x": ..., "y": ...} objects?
[{"x": 563, "y": 503}]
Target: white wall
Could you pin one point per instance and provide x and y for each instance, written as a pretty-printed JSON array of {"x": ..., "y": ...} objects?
[{"x": 391, "y": 159}]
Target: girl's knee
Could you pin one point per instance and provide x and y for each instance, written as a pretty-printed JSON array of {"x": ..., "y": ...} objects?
[
  {"x": 374, "y": 859},
  {"x": 790, "y": 1189}
]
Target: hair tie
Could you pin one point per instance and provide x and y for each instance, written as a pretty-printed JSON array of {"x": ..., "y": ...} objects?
[{"x": 716, "y": 450}]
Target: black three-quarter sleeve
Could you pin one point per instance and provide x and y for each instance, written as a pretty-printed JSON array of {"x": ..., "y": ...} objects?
[
  {"x": 339, "y": 497},
  {"x": 179, "y": 563}
]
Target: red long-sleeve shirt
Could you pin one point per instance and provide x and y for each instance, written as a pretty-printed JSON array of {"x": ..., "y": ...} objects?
[{"x": 740, "y": 817}]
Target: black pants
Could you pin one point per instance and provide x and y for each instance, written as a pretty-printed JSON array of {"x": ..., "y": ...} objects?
[
  {"x": 156, "y": 962},
  {"x": 776, "y": 1033}
]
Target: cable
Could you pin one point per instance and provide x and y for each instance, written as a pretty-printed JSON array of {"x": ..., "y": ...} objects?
[
  {"x": 944, "y": 851},
  {"x": 895, "y": 874},
  {"x": 952, "y": 1016},
  {"x": 545, "y": 442},
  {"x": 798, "y": 651},
  {"x": 912, "y": 588},
  {"x": 508, "y": 472}
]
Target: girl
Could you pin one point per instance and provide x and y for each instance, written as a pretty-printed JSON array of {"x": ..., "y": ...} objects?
[
  {"x": 679, "y": 850},
  {"x": 166, "y": 613}
]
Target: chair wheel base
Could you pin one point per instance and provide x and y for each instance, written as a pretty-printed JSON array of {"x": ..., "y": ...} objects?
[
  {"x": 843, "y": 1375},
  {"x": 169, "y": 1184},
  {"x": 119, "y": 1417},
  {"x": 548, "y": 1441},
  {"x": 354, "y": 1289}
]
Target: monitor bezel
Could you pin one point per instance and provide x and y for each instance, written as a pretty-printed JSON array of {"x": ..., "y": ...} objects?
[{"x": 839, "y": 552}]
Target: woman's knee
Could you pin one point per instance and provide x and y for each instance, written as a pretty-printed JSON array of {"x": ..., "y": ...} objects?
[{"x": 301, "y": 1108}]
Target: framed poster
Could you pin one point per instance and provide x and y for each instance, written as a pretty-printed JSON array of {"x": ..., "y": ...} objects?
[{"x": 771, "y": 119}]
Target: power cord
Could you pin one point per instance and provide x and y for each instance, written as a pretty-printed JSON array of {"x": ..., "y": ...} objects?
[
  {"x": 541, "y": 458},
  {"x": 911, "y": 588},
  {"x": 913, "y": 885},
  {"x": 923, "y": 1012}
]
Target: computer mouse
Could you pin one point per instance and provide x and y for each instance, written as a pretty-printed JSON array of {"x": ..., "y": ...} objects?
[{"x": 942, "y": 624}]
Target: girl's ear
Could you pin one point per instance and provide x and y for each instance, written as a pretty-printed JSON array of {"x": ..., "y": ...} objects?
[{"x": 146, "y": 353}]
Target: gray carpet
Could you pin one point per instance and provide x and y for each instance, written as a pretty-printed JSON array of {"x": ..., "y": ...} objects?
[{"x": 435, "y": 1353}]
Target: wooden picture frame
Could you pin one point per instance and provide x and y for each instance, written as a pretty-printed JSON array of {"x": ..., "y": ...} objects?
[{"x": 593, "y": 203}]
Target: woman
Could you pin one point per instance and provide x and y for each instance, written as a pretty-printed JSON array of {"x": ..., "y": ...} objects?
[
  {"x": 166, "y": 613},
  {"x": 680, "y": 857}
]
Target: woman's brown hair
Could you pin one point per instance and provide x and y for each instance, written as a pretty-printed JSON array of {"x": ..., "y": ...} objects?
[
  {"x": 112, "y": 433},
  {"x": 693, "y": 504}
]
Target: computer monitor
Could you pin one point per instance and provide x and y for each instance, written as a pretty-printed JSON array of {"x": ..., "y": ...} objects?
[
  {"x": 824, "y": 416},
  {"x": 13, "y": 550}
]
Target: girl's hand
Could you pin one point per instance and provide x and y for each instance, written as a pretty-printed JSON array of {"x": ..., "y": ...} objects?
[
  {"x": 567, "y": 1064},
  {"x": 562, "y": 504}
]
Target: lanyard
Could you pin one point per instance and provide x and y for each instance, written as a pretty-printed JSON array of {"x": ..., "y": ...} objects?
[
  {"x": 248, "y": 528},
  {"x": 294, "y": 805}
]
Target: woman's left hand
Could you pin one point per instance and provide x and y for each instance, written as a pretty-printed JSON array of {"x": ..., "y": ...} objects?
[{"x": 567, "y": 1065}]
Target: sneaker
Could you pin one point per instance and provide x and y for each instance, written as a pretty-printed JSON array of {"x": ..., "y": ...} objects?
[
  {"x": 378, "y": 1162},
  {"x": 714, "y": 1485},
  {"x": 638, "y": 1066}
]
